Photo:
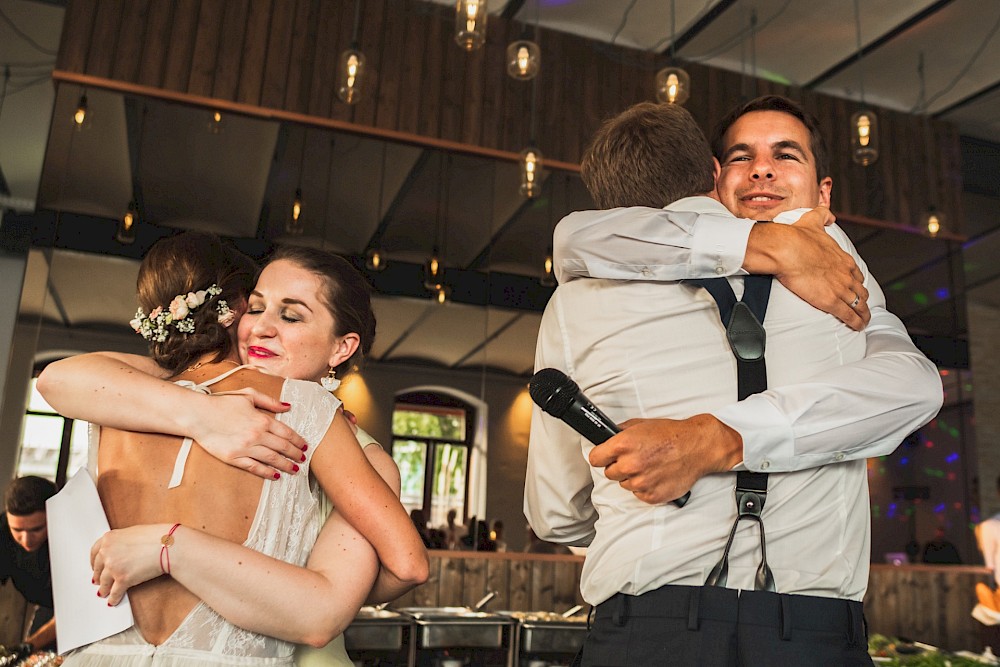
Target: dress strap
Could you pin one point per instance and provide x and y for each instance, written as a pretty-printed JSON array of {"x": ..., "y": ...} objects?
[{"x": 182, "y": 454}]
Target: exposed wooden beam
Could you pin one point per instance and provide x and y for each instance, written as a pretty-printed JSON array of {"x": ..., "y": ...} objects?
[{"x": 700, "y": 26}]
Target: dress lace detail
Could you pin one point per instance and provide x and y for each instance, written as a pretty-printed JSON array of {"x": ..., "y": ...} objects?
[{"x": 286, "y": 525}]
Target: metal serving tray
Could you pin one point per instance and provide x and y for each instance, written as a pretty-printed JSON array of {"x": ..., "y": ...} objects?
[
  {"x": 376, "y": 630},
  {"x": 548, "y": 632},
  {"x": 448, "y": 627}
]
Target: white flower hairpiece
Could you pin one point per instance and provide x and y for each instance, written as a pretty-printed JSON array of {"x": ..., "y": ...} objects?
[{"x": 156, "y": 325}]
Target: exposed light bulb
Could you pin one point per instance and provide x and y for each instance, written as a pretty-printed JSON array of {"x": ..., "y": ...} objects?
[
  {"x": 673, "y": 85},
  {"x": 350, "y": 75},
  {"x": 375, "y": 260},
  {"x": 524, "y": 59},
  {"x": 470, "y": 23},
  {"x": 295, "y": 226},
  {"x": 934, "y": 221},
  {"x": 531, "y": 167},
  {"x": 215, "y": 123},
  {"x": 548, "y": 278},
  {"x": 864, "y": 137},
  {"x": 126, "y": 226},
  {"x": 80, "y": 115},
  {"x": 433, "y": 272},
  {"x": 442, "y": 293}
]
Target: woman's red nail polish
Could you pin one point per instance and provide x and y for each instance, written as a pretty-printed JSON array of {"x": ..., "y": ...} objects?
[
  {"x": 295, "y": 468},
  {"x": 98, "y": 593},
  {"x": 287, "y": 405},
  {"x": 305, "y": 448},
  {"x": 302, "y": 460},
  {"x": 277, "y": 476}
]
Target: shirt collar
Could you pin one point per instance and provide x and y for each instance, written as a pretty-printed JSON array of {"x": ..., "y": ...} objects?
[{"x": 699, "y": 204}]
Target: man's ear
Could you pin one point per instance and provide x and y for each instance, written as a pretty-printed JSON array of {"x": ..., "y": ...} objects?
[
  {"x": 716, "y": 169},
  {"x": 343, "y": 348},
  {"x": 825, "y": 188}
]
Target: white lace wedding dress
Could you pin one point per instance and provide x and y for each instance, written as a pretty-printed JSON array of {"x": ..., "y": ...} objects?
[{"x": 285, "y": 526}]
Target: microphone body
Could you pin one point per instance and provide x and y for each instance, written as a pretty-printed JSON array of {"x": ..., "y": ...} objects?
[{"x": 558, "y": 395}]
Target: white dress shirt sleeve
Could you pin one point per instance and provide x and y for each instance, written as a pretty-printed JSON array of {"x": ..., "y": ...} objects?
[
  {"x": 859, "y": 410},
  {"x": 558, "y": 481},
  {"x": 855, "y": 411},
  {"x": 639, "y": 243}
]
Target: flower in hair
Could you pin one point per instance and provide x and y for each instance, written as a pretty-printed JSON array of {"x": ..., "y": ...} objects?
[{"x": 156, "y": 326}]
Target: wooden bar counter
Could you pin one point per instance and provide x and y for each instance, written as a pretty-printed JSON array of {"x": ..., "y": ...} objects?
[{"x": 927, "y": 603}]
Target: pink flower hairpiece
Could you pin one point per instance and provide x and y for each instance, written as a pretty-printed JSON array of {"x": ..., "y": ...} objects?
[{"x": 156, "y": 326}]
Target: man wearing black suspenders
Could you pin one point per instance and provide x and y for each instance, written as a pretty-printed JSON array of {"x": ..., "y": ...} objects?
[{"x": 756, "y": 569}]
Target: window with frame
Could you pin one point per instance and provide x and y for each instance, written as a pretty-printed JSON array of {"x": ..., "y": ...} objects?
[
  {"x": 431, "y": 445},
  {"x": 52, "y": 446}
]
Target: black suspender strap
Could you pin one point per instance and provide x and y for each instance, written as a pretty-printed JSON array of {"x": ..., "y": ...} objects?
[{"x": 745, "y": 332}]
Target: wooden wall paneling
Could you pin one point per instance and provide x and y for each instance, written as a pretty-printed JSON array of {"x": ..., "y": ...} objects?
[
  {"x": 572, "y": 115},
  {"x": 498, "y": 579},
  {"x": 154, "y": 49},
  {"x": 78, "y": 26},
  {"x": 589, "y": 112},
  {"x": 411, "y": 70},
  {"x": 950, "y": 168},
  {"x": 551, "y": 86},
  {"x": 324, "y": 60},
  {"x": 492, "y": 89},
  {"x": 205, "y": 52},
  {"x": 429, "y": 594},
  {"x": 565, "y": 586},
  {"x": 450, "y": 583},
  {"x": 394, "y": 33},
  {"x": 514, "y": 132},
  {"x": 372, "y": 39},
  {"x": 909, "y": 170},
  {"x": 698, "y": 104},
  {"x": 520, "y": 584},
  {"x": 474, "y": 584},
  {"x": 229, "y": 59},
  {"x": 344, "y": 32},
  {"x": 101, "y": 57},
  {"x": 609, "y": 88},
  {"x": 278, "y": 55},
  {"x": 455, "y": 61},
  {"x": 180, "y": 50},
  {"x": 254, "y": 53},
  {"x": 542, "y": 582},
  {"x": 477, "y": 77},
  {"x": 301, "y": 61},
  {"x": 848, "y": 186},
  {"x": 438, "y": 40},
  {"x": 131, "y": 40}
]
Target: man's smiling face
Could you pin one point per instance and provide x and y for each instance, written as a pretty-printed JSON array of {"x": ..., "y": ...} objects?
[{"x": 768, "y": 167}]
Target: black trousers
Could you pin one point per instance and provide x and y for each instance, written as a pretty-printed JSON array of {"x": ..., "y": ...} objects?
[{"x": 708, "y": 626}]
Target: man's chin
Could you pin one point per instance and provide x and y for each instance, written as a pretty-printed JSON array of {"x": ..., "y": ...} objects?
[{"x": 761, "y": 212}]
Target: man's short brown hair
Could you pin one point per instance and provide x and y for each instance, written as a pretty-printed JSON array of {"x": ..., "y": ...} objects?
[
  {"x": 27, "y": 495},
  {"x": 648, "y": 155},
  {"x": 777, "y": 103}
]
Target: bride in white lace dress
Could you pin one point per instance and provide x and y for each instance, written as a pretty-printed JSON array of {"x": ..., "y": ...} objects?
[{"x": 230, "y": 587}]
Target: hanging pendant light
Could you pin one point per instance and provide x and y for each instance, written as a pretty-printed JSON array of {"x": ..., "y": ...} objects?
[
  {"x": 933, "y": 221},
  {"x": 442, "y": 294},
  {"x": 433, "y": 271},
  {"x": 531, "y": 171},
  {"x": 374, "y": 260},
  {"x": 864, "y": 123},
  {"x": 350, "y": 75},
  {"x": 126, "y": 226},
  {"x": 80, "y": 115},
  {"x": 470, "y": 23},
  {"x": 524, "y": 59},
  {"x": 215, "y": 123},
  {"x": 295, "y": 225},
  {"x": 864, "y": 137},
  {"x": 548, "y": 278},
  {"x": 673, "y": 85}
]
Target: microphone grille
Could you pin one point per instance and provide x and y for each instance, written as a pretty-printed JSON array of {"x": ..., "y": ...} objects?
[{"x": 553, "y": 391}]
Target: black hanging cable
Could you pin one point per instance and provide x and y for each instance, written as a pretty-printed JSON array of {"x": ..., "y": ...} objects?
[
  {"x": 861, "y": 67},
  {"x": 357, "y": 24}
]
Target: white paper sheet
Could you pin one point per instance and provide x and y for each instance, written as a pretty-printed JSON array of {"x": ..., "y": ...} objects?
[{"x": 76, "y": 520}]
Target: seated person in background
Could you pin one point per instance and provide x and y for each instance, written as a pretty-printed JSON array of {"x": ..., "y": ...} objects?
[
  {"x": 940, "y": 551},
  {"x": 536, "y": 545},
  {"x": 496, "y": 534},
  {"x": 24, "y": 554},
  {"x": 453, "y": 531}
]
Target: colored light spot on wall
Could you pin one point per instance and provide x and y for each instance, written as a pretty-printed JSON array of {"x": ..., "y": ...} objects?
[
  {"x": 933, "y": 472},
  {"x": 929, "y": 444},
  {"x": 952, "y": 477},
  {"x": 875, "y": 511},
  {"x": 939, "y": 508},
  {"x": 920, "y": 299},
  {"x": 957, "y": 506},
  {"x": 897, "y": 286},
  {"x": 903, "y": 461},
  {"x": 941, "y": 293},
  {"x": 951, "y": 458},
  {"x": 953, "y": 432}
]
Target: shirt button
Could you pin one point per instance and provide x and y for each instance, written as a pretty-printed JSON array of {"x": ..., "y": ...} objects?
[
  {"x": 719, "y": 270},
  {"x": 839, "y": 457},
  {"x": 764, "y": 465},
  {"x": 646, "y": 272}
]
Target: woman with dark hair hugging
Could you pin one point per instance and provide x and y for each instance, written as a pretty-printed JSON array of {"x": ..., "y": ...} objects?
[{"x": 224, "y": 567}]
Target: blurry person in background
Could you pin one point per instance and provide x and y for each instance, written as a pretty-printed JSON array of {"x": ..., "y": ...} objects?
[{"x": 24, "y": 554}]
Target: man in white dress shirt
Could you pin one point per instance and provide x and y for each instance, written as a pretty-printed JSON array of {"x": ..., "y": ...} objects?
[{"x": 640, "y": 349}]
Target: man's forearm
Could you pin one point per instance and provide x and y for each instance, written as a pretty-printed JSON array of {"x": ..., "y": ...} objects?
[{"x": 43, "y": 636}]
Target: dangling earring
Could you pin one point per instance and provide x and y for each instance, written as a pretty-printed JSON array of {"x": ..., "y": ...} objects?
[{"x": 330, "y": 382}]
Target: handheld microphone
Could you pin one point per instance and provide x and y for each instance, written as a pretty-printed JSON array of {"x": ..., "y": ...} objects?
[{"x": 558, "y": 395}]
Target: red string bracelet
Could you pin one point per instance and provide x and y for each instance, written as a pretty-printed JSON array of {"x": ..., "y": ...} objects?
[{"x": 166, "y": 541}]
